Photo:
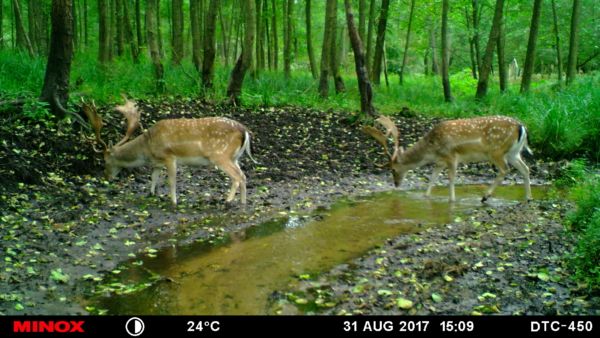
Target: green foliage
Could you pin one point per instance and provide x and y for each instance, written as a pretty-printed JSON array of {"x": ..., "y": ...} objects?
[{"x": 585, "y": 259}]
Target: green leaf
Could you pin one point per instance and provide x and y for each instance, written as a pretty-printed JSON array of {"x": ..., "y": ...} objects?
[
  {"x": 543, "y": 276},
  {"x": 404, "y": 303},
  {"x": 384, "y": 292},
  {"x": 19, "y": 307},
  {"x": 436, "y": 297},
  {"x": 58, "y": 276}
]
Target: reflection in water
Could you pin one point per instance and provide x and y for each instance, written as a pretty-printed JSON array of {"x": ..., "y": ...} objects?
[{"x": 238, "y": 278}]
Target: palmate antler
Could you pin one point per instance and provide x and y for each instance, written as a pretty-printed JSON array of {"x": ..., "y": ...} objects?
[
  {"x": 95, "y": 121},
  {"x": 131, "y": 113},
  {"x": 390, "y": 129}
]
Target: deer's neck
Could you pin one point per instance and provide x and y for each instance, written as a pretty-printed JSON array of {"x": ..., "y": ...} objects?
[
  {"x": 133, "y": 153},
  {"x": 417, "y": 155}
]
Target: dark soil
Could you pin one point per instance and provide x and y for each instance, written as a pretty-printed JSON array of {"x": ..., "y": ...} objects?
[{"x": 63, "y": 228}]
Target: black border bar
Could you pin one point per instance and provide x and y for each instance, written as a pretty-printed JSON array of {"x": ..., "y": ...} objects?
[{"x": 336, "y": 326}]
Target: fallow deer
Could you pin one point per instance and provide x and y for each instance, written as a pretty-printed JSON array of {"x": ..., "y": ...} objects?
[
  {"x": 495, "y": 139},
  {"x": 203, "y": 141}
]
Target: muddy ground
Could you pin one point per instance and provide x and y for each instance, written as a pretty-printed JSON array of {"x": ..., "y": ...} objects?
[{"x": 64, "y": 229}]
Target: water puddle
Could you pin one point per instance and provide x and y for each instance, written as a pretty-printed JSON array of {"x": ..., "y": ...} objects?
[{"x": 238, "y": 277}]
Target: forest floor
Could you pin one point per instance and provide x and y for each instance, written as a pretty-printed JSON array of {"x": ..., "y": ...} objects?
[{"x": 64, "y": 229}]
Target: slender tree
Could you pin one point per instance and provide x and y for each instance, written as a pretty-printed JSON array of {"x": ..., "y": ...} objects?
[
  {"x": 471, "y": 44},
  {"x": 287, "y": 43},
  {"x": 486, "y": 63},
  {"x": 557, "y": 38},
  {"x": 530, "y": 56},
  {"x": 177, "y": 35},
  {"x": 370, "y": 30},
  {"x": 502, "y": 72},
  {"x": 196, "y": 35},
  {"x": 208, "y": 60},
  {"x": 22, "y": 37},
  {"x": 573, "y": 43},
  {"x": 259, "y": 63},
  {"x": 275, "y": 38},
  {"x": 309, "y": 45},
  {"x": 433, "y": 47},
  {"x": 118, "y": 25},
  {"x": 330, "y": 15},
  {"x": 475, "y": 7},
  {"x": 362, "y": 19},
  {"x": 55, "y": 90},
  {"x": 1, "y": 24},
  {"x": 244, "y": 61},
  {"x": 407, "y": 42},
  {"x": 364, "y": 85},
  {"x": 445, "y": 52},
  {"x": 138, "y": 24},
  {"x": 153, "y": 44},
  {"x": 103, "y": 32},
  {"x": 335, "y": 57},
  {"x": 134, "y": 49},
  {"x": 381, "y": 29}
]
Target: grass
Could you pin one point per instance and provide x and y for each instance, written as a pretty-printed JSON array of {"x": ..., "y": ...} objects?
[{"x": 562, "y": 123}]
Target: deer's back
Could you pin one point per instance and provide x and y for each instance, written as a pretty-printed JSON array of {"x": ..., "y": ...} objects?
[{"x": 207, "y": 137}]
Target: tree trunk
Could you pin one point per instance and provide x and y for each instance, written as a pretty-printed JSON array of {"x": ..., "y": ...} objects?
[
  {"x": 260, "y": 50},
  {"x": 177, "y": 35},
  {"x": 362, "y": 19},
  {"x": 557, "y": 37},
  {"x": 486, "y": 64},
  {"x": 573, "y": 43},
  {"x": 330, "y": 15},
  {"x": 445, "y": 53},
  {"x": 287, "y": 43},
  {"x": 433, "y": 47},
  {"x": 336, "y": 54},
  {"x": 410, "y": 19},
  {"x": 22, "y": 37},
  {"x": 274, "y": 33},
  {"x": 370, "y": 29},
  {"x": 138, "y": 24},
  {"x": 55, "y": 90},
  {"x": 476, "y": 35},
  {"x": 196, "y": 35},
  {"x": 161, "y": 50},
  {"x": 103, "y": 32},
  {"x": 33, "y": 21},
  {"x": 381, "y": 28},
  {"x": 502, "y": 74},
  {"x": 1, "y": 24},
  {"x": 118, "y": 24},
  {"x": 244, "y": 61},
  {"x": 530, "y": 56},
  {"x": 208, "y": 61},
  {"x": 152, "y": 35},
  {"x": 74, "y": 14},
  {"x": 135, "y": 52},
  {"x": 364, "y": 85},
  {"x": 471, "y": 44},
  {"x": 309, "y": 45}
]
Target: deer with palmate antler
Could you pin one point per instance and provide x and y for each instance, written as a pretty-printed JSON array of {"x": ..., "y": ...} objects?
[
  {"x": 203, "y": 141},
  {"x": 495, "y": 139}
]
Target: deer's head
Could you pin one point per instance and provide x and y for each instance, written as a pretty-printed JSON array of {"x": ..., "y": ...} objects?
[{"x": 394, "y": 163}]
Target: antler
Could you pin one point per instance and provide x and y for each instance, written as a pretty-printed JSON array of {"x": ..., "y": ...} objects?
[
  {"x": 95, "y": 121},
  {"x": 391, "y": 129},
  {"x": 132, "y": 115}
]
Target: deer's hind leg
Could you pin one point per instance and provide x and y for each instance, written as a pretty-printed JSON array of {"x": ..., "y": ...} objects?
[
  {"x": 238, "y": 180},
  {"x": 500, "y": 162}
]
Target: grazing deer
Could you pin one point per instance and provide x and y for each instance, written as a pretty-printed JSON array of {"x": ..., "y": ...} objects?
[
  {"x": 216, "y": 140},
  {"x": 495, "y": 139}
]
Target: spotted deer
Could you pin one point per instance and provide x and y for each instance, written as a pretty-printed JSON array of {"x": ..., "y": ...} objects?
[
  {"x": 203, "y": 141},
  {"x": 495, "y": 139}
]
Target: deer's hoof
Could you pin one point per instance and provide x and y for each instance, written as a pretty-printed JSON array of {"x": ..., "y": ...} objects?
[{"x": 484, "y": 199}]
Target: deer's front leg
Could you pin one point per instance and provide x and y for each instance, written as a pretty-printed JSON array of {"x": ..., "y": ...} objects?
[
  {"x": 155, "y": 177},
  {"x": 433, "y": 179},
  {"x": 452, "y": 164},
  {"x": 500, "y": 163},
  {"x": 171, "y": 165}
]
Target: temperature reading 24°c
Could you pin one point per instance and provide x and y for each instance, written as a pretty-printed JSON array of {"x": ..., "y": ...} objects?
[{"x": 200, "y": 326}]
